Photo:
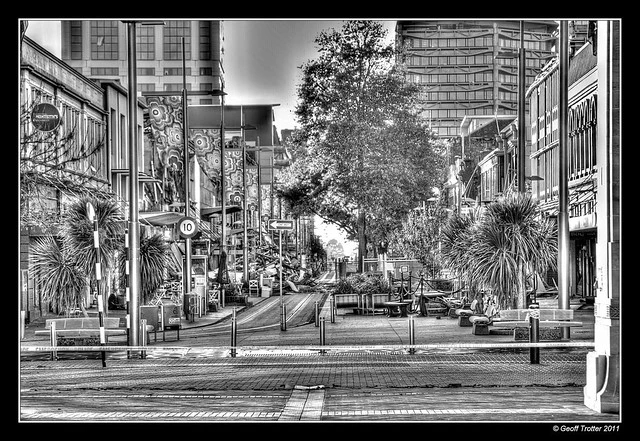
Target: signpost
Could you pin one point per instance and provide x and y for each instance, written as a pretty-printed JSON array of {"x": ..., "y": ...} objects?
[
  {"x": 280, "y": 225},
  {"x": 188, "y": 227}
]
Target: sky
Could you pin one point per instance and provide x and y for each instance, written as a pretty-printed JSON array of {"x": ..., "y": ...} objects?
[
  {"x": 262, "y": 58},
  {"x": 261, "y": 66}
]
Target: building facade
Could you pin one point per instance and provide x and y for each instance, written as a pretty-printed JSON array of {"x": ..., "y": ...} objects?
[
  {"x": 83, "y": 155},
  {"x": 470, "y": 67},
  {"x": 98, "y": 50}
]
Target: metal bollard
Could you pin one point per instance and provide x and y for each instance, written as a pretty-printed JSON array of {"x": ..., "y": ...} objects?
[
  {"x": 322, "y": 352},
  {"x": 283, "y": 318},
  {"x": 53, "y": 340},
  {"x": 23, "y": 318},
  {"x": 412, "y": 335},
  {"x": 143, "y": 334},
  {"x": 317, "y": 315},
  {"x": 332, "y": 305},
  {"x": 234, "y": 330},
  {"x": 534, "y": 332}
]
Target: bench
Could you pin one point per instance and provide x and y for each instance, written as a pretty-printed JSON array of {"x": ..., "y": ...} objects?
[
  {"x": 397, "y": 309},
  {"x": 518, "y": 320},
  {"x": 81, "y": 330}
]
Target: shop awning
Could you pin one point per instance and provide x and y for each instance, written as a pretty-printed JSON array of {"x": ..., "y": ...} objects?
[
  {"x": 217, "y": 210},
  {"x": 160, "y": 218}
]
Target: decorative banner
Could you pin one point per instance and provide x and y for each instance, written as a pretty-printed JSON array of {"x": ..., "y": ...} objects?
[
  {"x": 252, "y": 187},
  {"x": 165, "y": 115},
  {"x": 265, "y": 193},
  {"x": 206, "y": 143},
  {"x": 233, "y": 176}
]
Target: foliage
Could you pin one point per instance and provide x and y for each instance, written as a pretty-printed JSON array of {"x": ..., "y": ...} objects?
[
  {"x": 361, "y": 284},
  {"x": 499, "y": 249},
  {"x": 362, "y": 156},
  {"x": 154, "y": 259},
  {"x": 420, "y": 235},
  {"x": 61, "y": 278}
]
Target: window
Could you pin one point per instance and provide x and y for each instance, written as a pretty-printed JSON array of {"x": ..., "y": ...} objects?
[
  {"x": 104, "y": 40},
  {"x": 204, "y": 41},
  {"x": 76, "y": 39},
  {"x": 146, "y": 71},
  {"x": 147, "y": 87},
  {"x": 206, "y": 86},
  {"x": 174, "y": 31},
  {"x": 175, "y": 87},
  {"x": 105, "y": 71},
  {"x": 176, "y": 71},
  {"x": 206, "y": 71},
  {"x": 146, "y": 42}
]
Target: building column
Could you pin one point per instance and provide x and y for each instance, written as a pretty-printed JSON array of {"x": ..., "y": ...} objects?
[{"x": 602, "y": 390}]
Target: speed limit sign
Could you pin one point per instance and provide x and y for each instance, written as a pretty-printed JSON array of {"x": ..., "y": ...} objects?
[{"x": 187, "y": 227}]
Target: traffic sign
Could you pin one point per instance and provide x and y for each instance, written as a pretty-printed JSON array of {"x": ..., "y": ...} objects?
[
  {"x": 280, "y": 224},
  {"x": 187, "y": 227}
]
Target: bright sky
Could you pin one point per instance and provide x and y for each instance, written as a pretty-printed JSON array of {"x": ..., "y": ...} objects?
[{"x": 261, "y": 58}]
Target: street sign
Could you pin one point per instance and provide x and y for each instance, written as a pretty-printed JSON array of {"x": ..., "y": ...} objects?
[
  {"x": 187, "y": 227},
  {"x": 280, "y": 224},
  {"x": 45, "y": 117}
]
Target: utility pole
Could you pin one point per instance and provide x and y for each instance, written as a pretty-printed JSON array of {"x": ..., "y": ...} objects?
[
  {"x": 134, "y": 223},
  {"x": 187, "y": 178},
  {"x": 522, "y": 77},
  {"x": 563, "y": 182}
]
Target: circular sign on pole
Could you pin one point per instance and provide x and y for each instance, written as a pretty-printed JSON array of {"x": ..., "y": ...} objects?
[
  {"x": 187, "y": 227},
  {"x": 45, "y": 117}
]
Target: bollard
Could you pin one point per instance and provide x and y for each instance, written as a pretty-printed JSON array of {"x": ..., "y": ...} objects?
[
  {"x": 332, "y": 305},
  {"x": 53, "y": 340},
  {"x": 283, "y": 318},
  {"x": 412, "y": 335},
  {"x": 143, "y": 333},
  {"x": 23, "y": 318},
  {"x": 317, "y": 315},
  {"x": 234, "y": 331},
  {"x": 534, "y": 332},
  {"x": 322, "y": 352}
]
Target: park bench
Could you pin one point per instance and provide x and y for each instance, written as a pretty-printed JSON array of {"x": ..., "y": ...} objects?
[
  {"x": 518, "y": 320},
  {"x": 76, "y": 331}
]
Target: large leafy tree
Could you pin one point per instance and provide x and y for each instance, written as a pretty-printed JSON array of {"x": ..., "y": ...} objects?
[{"x": 362, "y": 157}]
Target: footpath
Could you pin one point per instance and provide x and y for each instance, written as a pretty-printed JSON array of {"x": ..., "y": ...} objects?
[{"x": 446, "y": 380}]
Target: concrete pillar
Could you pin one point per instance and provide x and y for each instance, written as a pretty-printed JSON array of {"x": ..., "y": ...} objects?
[{"x": 602, "y": 390}]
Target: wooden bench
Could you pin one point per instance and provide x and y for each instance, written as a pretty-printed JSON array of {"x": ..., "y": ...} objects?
[
  {"x": 549, "y": 318},
  {"x": 75, "y": 331},
  {"x": 397, "y": 309}
]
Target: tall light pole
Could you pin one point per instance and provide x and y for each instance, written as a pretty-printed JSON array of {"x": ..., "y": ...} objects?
[
  {"x": 563, "y": 182},
  {"x": 186, "y": 277},
  {"x": 134, "y": 224},
  {"x": 522, "y": 77},
  {"x": 223, "y": 201}
]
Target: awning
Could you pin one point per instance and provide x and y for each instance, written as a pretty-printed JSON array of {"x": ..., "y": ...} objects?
[
  {"x": 217, "y": 210},
  {"x": 160, "y": 218}
]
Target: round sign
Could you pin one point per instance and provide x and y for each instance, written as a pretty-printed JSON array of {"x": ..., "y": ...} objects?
[
  {"x": 45, "y": 117},
  {"x": 187, "y": 227}
]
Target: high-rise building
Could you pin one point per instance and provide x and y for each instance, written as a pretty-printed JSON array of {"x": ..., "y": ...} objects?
[
  {"x": 98, "y": 50},
  {"x": 470, "y": 67}
]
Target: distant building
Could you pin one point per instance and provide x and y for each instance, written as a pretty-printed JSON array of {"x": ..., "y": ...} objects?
[
  {"x": 470, "y": 67},
  {"x": 98, "y": 50}
]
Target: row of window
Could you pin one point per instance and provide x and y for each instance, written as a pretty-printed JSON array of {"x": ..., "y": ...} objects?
[
  {"x": 149, "y": 71},
  {"x": 105, "y": 40},
  {"x": 455, "y": 59},
  {"x": 449, "y": 40}
]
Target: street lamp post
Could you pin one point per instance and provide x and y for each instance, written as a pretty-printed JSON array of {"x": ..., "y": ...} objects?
[
  {"x": 522, "y": 69},
  {"x": 134, "y": 224},
  {"x": 185, "y": 141}
]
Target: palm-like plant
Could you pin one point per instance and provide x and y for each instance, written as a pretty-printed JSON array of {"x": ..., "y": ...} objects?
[
  {"x": 499, "y": 249},
  {"x": 154, "y": 261},
  {"x": 62, "y": 279},
  {"x": 513, "y": 240},
  {"x": 77, "y": 233}
]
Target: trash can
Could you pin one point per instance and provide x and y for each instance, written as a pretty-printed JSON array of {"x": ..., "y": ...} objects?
[
  {"x": 151, "y": 314},
  {"x": 190, "y": 306}
]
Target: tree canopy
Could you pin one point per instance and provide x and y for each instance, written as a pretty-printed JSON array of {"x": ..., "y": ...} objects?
[{"x": 363, "y": 156}]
